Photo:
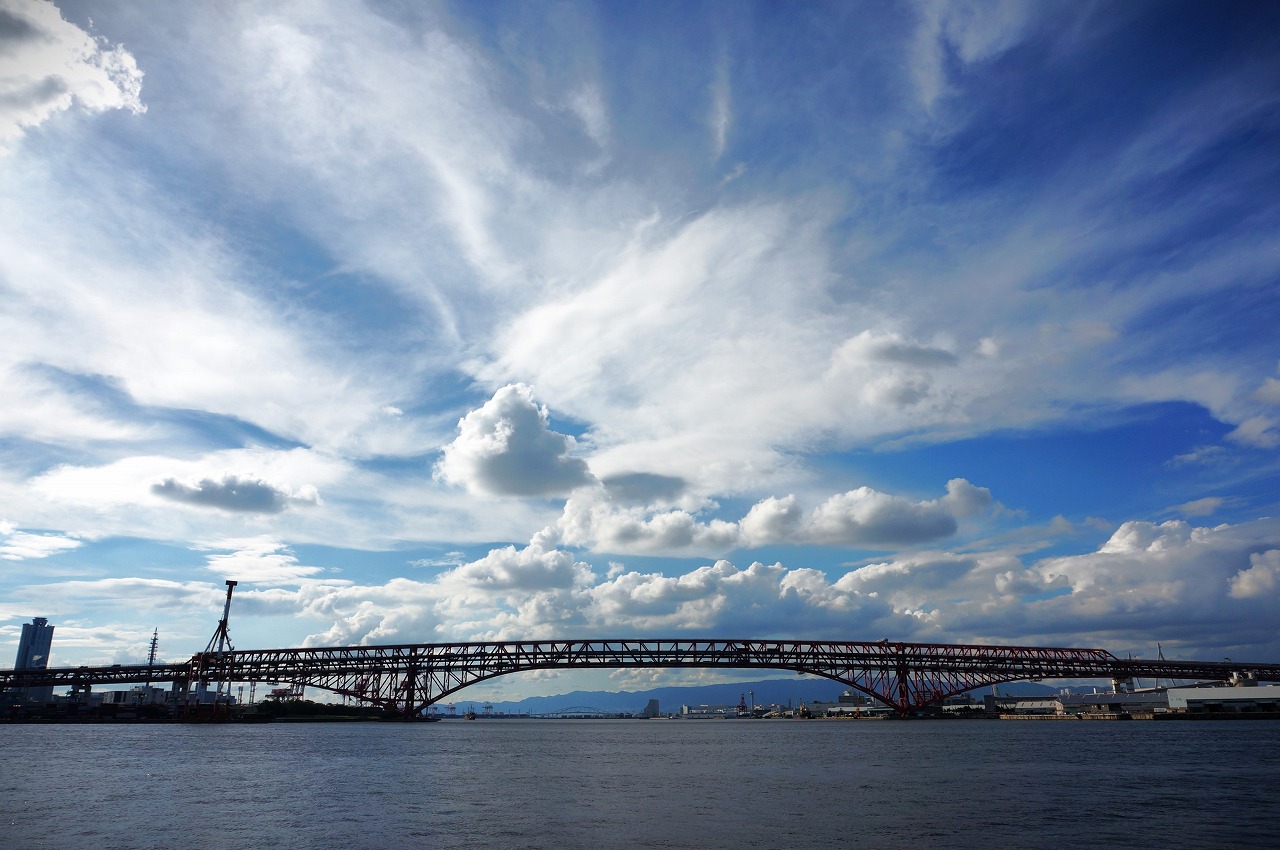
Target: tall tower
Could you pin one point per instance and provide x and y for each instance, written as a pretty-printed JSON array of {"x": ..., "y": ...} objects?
[{"x": 33, "y": 654}]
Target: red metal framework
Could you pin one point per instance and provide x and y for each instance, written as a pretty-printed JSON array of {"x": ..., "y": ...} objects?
[{"x": 409, "y": 678}]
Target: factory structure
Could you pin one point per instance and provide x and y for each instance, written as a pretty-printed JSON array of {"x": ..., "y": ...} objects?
[
  {"x": 138, "y": 702},
  {"x": 1240, "y": 697}
]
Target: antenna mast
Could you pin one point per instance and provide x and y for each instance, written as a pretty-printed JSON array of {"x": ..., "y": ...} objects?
[{"x": 151, "y": 657}]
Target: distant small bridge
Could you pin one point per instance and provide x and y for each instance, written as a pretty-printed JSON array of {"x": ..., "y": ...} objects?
[
  {"x": 577, "y": 711},
  {"x": 409, "y": 678}
]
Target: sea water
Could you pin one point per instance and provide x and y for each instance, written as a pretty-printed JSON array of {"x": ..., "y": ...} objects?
[{"x": 641, "y": 783}]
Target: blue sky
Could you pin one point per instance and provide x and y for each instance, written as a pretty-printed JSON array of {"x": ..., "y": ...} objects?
[{"x": 424, "y": 322}]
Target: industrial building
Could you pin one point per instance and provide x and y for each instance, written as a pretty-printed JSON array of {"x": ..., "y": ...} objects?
[
  {"x": 1235, "y": 699},
  {"x": 1118, "y": 702},
  {"x": 1240, "y": 696}
]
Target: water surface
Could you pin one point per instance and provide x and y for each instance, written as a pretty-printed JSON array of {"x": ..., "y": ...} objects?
[{"x": 601, "y": 784}]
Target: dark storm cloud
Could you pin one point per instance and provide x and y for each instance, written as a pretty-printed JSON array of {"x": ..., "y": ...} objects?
[
  {"x": 642, "y": 488},
  {"x": 230, "y": 494},
  {"x": 14, "y": 29}
]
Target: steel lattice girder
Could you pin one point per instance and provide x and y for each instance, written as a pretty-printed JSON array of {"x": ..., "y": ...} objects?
[{"x": 411, "y": 677}]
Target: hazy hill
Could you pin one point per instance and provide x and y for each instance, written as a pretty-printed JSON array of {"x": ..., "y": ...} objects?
[{"x": 670, "y": 699}]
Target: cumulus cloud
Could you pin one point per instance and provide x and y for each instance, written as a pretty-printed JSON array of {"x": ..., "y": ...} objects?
[
  {"x": 1185, "y": 586},
  {"x": 47, "y": 65},
  {"x": 1171, "y": 581},
  {"x": 866, "y": 516},
  {"x": 506, "y": 448},
  {"x": 871, "y": 517},
  {"x": 536, "y": 567},
  {"x": 916, "y": 583},
  {"x": 520, "y": 594},
  {"x": 771, "y": 520},
  {"x": 1133, "y": 537},
  {"x": 861, "y": 517},
  {"x": 591, "y": 519},
  {"x": 1261, "y": 580},
  {"x": 233, "y": 493},
  {"x": 511, "y": 592}
]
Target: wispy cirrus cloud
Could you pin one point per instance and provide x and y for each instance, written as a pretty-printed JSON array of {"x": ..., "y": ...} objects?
[{"x": 17, "y": 545}]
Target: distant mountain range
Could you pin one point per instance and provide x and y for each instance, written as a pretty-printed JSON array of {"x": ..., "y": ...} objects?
[{"x": 766, "y": 692}]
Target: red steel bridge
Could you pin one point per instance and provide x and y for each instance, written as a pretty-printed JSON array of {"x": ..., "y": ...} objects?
[{"x": 409, "y": 678}]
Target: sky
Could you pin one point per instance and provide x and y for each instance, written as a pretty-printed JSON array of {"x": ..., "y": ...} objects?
[{"x": 937, "y": 322}]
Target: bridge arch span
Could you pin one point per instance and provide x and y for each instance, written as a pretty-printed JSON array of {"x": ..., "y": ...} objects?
[
  {"x": 410, "y": 677},
  {"x": 905, "y": 676}
]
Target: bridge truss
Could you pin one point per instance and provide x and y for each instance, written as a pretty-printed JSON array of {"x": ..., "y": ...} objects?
[{"x": 411, "y": 677}]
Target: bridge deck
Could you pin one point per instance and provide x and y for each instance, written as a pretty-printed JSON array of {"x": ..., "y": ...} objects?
[{"x": 410, "y": 677}]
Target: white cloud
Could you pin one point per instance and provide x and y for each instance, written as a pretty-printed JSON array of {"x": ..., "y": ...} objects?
[
  {"x": 259, "y": 560},
  {"x": 1197, "y": 588},
  {"x": 41, "y": 409},
  {"x": 972, "y": 31},
  {"x": 47, "y": 65},
  {"x": 1148, "y": 537},
  {"x": 380, "y": 141},
  {"x": 710, "y": 343},
  {"x": 540, "y": 591},
  {"x": 1257, "y": 431},
  {"x": 221, "y": 494},
  {"x": 872, "y": 347},
  {"x": 128, "y": 593},
  {"x": 721, "y": 116},
  {"x": 861, "y": 517},
  {"x": 591, "y": 519},
  {"x": 1200, "y": 507},
  {"x": 771, "y": 520},
  {"x": 18, "y": 545},
  {"x": 870, "y": 517},
  {"x": 1261, "y": 580},
  {"x": 1269, "y": 391},
  {"x": 506, "y": 448},
  {"x": 255, "y": 480},
  {"x": 923, "y": 581},
  {"x": 1168, "y": 581},
  {"x": 588, "y": 104},
  {"x": 105, "y": 283},
  {"x": 515, "y": 572}
]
